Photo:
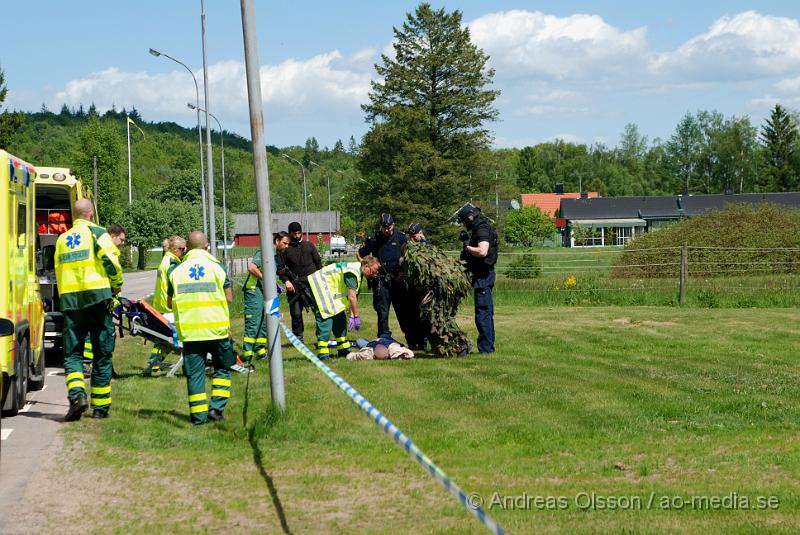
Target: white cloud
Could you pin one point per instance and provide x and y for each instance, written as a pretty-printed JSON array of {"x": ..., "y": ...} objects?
[
  {"x": 530, "y": 43},
  {"x": 740, "y": 47},
  {"x": 326, "y": 86},
  {"x": 790, "y": 85}
]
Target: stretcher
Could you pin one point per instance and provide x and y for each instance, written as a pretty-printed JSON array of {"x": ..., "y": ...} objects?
[{"x": 139, "y": 318}]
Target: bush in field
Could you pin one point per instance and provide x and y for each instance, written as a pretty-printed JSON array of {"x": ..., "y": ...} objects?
[
  {"x": 528, "y": 226},
  {"x": 737, "y": 240},
  {"x": 526, "y": 266}
]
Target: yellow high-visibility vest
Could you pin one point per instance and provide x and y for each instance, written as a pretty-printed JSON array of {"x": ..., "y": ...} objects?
[
  {"x": 198, "y": 298},
  {"x": 160, "y": 302},
  {"x": 329, "y": 288},
  {"x": 81, "y": 275}
]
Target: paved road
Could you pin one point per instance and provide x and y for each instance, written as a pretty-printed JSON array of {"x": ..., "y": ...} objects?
[
  {"x": 27, "y": 436},
  {"x": 138, "y": 284}
]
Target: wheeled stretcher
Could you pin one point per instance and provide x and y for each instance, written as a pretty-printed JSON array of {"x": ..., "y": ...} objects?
[{"x": 140, "y": 319}]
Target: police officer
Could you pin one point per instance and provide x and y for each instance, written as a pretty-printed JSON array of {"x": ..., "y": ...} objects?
[
  {"x": 387, "y": 245},
  {"x": 415, "y": 233},
  {"x": 88, "y": 274},
  {"x": 480, "y": 254},
  {"x": 420, "y": 327},
  {"x": 199, "y": 292},
  {"x": 174, "y": 248}
]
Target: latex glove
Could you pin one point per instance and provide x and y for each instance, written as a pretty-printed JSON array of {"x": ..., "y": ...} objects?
[
  {"x": 463, "y": 237},
  {"x": 279, "y": 289},
  {"x": 355, "y": 323}
]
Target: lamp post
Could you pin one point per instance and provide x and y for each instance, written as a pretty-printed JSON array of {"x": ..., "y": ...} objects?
[
  {"x": 156, "y": 53},
  {"x": 305, "y": 192},
  {"x": 224, "y": 202},
  {"x": 212, "y": 222},
  {"x": 328, "y": 177}
]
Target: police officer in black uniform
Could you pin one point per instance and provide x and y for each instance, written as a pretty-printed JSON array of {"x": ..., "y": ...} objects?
[
  {"x": 387, "y": 245},
  {"x": 480, "y": 255}
]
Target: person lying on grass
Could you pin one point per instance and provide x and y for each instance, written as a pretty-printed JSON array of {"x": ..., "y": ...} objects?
[{"x": 382, "y": 349}]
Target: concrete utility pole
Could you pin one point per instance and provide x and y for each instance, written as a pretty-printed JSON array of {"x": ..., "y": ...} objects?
[
  {"x": 262, "y": 197},
  {"x": 212, "y": 222}
]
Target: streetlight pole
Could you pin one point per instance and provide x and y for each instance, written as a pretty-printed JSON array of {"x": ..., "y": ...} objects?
[
  {"x": 224, "y": 202},
  {"x": 252, "y": 67},
  {"x": 328, "y": 177},
  {"x": 304, "y": 207},
  {"x": 156, "y": 53},
  {"x": 212, "y": 222}
]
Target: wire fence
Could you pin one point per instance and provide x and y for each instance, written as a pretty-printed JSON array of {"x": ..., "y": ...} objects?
[{"x": 693, "y": 276}]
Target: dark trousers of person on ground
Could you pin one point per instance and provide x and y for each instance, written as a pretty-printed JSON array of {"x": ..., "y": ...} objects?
[
  {"x": 484, "y": 311},
  {"x": 95, "y": 323},
  {"x": 194, "y": 367},
  {"x": 395, "y": 294}
]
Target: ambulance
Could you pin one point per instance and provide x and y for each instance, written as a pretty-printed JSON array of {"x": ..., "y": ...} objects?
[
  {"x": 22, "y": 360},
  {"x": 57, "y": 190}
]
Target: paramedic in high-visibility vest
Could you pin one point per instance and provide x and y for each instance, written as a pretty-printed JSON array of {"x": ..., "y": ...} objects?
[
  {"x": 88, "y": 274},
  {"x": 255, "y": 324},
  {"x": 174, "y": 248},
  {"x": 118, "y": 235},
  {"x": 335, "y": 289},
  {"x": 199, "y": 292}
]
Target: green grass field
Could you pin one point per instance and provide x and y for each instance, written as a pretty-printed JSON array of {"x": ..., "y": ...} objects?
[{"x": 644, "y": 406}]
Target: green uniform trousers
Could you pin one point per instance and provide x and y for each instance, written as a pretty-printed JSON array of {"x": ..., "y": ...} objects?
[
  {"x": 94, "y": 322},
  {"x": 255, "y": 325},
  {"x": 157, "y": 356},
  {"x": 88, "y": 354},
  {"x": 194, "y": 367},
  {"x": 336, "y": 325}
]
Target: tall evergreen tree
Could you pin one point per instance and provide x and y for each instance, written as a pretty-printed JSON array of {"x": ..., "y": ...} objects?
[
  {"x": 311, "y": 152},
  {"x": 352, "y": 146},
  {"x": 427, "y": 115},
  {"x": 779, "y": 135},
  {"x": 9, "y": 121}
]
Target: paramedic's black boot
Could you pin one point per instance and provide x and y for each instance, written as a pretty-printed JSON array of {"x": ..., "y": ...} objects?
[
  {"x": 97, "y": 413},
  {"x": 216, "y": 415},
  {"x": 76, "y": 408}
]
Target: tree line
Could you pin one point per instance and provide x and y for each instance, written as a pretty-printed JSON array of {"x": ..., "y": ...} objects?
[{"x": 427, "y": 151}]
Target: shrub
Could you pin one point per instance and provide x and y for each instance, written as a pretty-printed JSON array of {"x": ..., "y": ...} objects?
[
  {"x": 528, "y": 226},
  {"x": 721, "y": 242},
  {"x": 526, "y": 266}
]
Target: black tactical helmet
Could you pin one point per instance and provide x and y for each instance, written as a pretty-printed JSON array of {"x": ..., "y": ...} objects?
[
  {"x": 467, "y": 213},
  {"x": 386, "y": 220}
]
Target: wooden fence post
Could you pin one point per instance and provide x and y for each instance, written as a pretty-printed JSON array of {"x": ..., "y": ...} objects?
[{"x": 684, "y": 274}]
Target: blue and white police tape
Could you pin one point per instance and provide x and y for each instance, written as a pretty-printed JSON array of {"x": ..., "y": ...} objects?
[{"x": 395, "y": 434}]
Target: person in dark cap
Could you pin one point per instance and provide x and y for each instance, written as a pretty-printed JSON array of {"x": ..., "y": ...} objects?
[
  {"x": 415, "y": 233},
  {"x": 480, "y": 254},
  {"x": 388, "y": 287},
  {"x": 297, "y": 262}
]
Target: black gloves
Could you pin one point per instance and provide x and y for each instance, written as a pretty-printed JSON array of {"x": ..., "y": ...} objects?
[{"x": 463, "y": 237}]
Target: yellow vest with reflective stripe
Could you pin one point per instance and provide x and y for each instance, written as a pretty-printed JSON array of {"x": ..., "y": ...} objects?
[
  {"x": 329, "y": 288},
  {"x": 198, "y": 298},
  {"x": 79, "y": 268},
  {"x": 160, "y": 294}
]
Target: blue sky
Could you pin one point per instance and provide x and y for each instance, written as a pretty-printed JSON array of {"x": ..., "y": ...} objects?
[{"x": 575, "y": 70}]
